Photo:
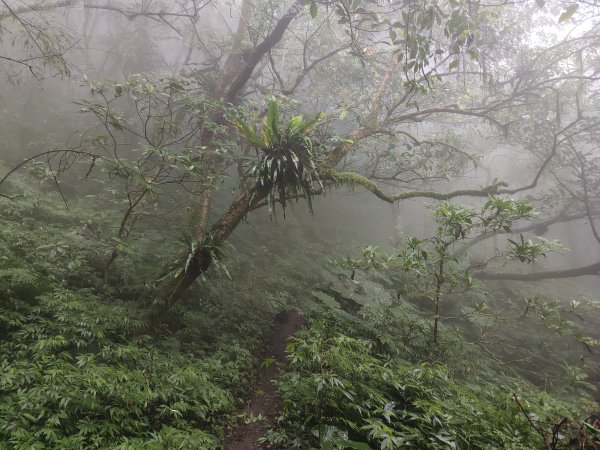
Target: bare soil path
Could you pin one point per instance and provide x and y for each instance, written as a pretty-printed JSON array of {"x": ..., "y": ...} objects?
[{"x": 264, "y": 400}]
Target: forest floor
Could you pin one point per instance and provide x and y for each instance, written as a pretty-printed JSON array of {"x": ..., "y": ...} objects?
[{"x": 264, "y": 403}]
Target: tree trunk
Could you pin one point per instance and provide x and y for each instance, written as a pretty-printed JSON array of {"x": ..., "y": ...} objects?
[{"x": 192, "y": 265}]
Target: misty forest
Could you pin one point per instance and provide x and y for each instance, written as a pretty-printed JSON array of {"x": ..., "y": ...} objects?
[{"x": 300, "y": 224}]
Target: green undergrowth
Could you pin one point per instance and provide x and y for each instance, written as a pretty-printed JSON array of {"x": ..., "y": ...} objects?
[
  {"x": 342, "y": 390},
  {"x": 365, "y": 374},
  {"x": 80, "y": 369},
  {"x": 76, "y": 370}
]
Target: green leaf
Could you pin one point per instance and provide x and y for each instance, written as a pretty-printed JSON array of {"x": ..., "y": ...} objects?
[
  {"x": 294, "y": 124},
  {"x": 273, "y": 117},
  {"x": 267, "y": 362},
  {"x": 454, "y": 64},
  {"x": 313, "y": 9},
  {"x": 568, "y": 13},
  {"x": 353, "y": 444}
]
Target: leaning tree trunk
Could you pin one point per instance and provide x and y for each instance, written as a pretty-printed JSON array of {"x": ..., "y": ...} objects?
[
  {"x": 191, "y": 266},
  {"x": 194, "y": 264}
]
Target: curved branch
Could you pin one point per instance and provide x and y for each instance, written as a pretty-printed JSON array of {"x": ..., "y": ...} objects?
[
  {"x": 592, "y": 269},
  {"x": 45, "y": 6},
  {"x": 354, "y": 179},
  {"x": 543, "y": 225},
  {"x": 47, "y": 153},
  {"x": 300, "y": 77},
  {"x": 22, "y": 62},
  {"x": 41, "y": 6}
]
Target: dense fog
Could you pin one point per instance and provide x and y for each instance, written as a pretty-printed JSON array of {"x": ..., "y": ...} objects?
[{"x": 401, "y": 191}]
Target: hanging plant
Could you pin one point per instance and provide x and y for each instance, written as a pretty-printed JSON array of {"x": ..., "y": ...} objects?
[{"x": 287, "y": 157}]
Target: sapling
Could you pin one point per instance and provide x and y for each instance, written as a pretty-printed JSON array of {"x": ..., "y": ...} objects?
[{"x": 438, "y": 265}]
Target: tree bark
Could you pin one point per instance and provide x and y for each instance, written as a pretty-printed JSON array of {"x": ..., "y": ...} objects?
[
  {"x": 192, "y": 265},
  {"x": 261, "y": 50},
  {"x": 592, "y": 269}
]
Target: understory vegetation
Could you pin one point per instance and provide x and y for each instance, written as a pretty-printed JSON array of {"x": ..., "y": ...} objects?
[
  {"x": 77, "y": 373},
  {"x": 341, "y": 391},
  {"x": 80, "y": 371},
  {"x": 300, "y": 224}
]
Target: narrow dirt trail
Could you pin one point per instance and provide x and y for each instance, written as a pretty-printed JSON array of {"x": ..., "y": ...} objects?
[{"x": 264, "y": 399}]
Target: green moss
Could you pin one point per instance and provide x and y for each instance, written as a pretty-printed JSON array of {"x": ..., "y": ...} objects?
[{"x": 352, "y": 180}]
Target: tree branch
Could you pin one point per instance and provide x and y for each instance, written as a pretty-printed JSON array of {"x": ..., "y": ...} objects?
[
  {"x": 261, "y": 50},
  {"x": 592, "y": 269}
]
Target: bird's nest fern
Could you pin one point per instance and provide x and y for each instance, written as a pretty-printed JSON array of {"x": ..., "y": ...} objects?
[{"x": 287, "y": 164}]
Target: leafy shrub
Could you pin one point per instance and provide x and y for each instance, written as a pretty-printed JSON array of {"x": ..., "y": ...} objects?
[
  {"x": 75, "y": 372},
  {"x": 338, "y": 393},
  {"x": 70, "y": 378}
]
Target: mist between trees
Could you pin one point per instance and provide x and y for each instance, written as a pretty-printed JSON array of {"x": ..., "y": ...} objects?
[{"x": 417, "y": 180}]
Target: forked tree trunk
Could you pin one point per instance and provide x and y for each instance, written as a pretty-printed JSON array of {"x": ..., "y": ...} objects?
[
  {"x": 199, "y": 203},
  {"x": 193, "y": 265}
]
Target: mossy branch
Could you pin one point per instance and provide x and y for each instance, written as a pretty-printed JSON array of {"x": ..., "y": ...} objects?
[
  {"x": 492, "y": 189},
  {"x": 351, "y": 179}
]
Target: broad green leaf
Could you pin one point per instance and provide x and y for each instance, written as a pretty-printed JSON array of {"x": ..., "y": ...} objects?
[
  {"x": 568, "y": 13},
  {"x": 313, "y": 9}
]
